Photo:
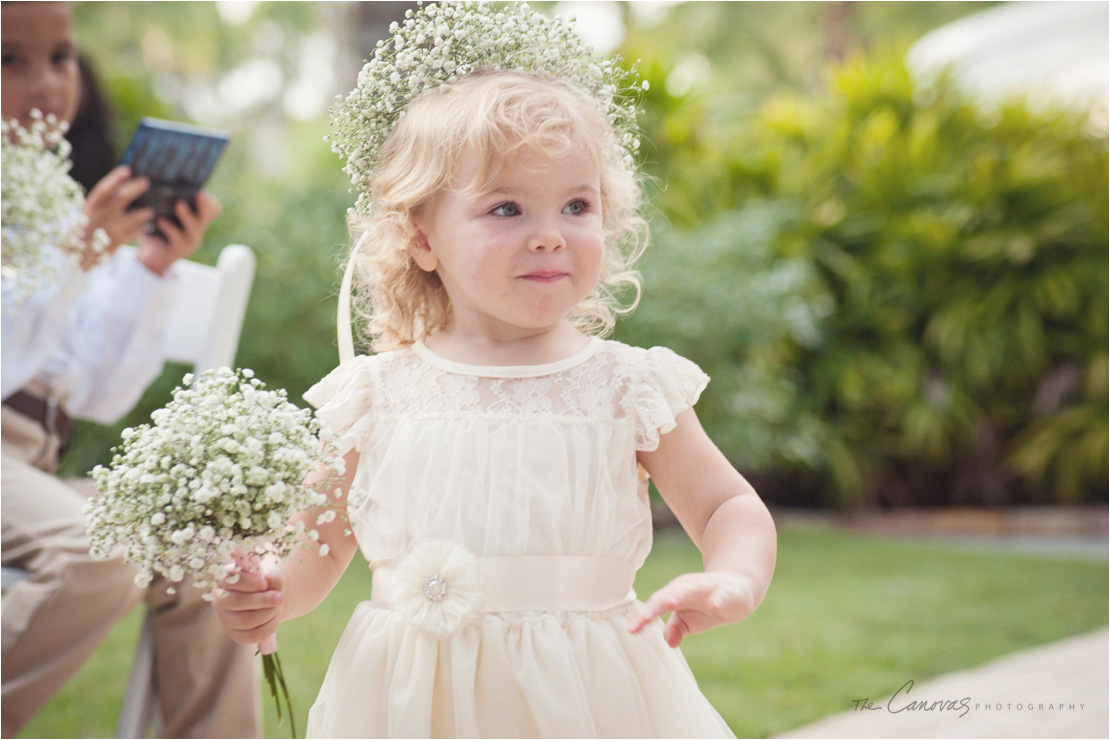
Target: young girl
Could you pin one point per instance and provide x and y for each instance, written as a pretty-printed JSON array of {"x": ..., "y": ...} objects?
[{"x": 497, "y": 447}]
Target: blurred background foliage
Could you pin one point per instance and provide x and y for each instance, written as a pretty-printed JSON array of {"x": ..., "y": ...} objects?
[{"x": 901, "y": 297}]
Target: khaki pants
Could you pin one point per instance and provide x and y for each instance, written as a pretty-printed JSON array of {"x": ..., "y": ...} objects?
[{"x": 208, "y": 686}]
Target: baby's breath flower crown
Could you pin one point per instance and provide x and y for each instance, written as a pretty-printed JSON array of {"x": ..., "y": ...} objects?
[
  {"x": 42, "y": 222},
  {"x": 437, "y": 44}
]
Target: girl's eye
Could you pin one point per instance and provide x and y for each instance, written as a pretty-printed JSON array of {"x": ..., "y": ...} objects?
[
  {"x": 576, "y": 207},
  {"x": 61, "y": 56},
  {"x": 8, "y": 59},
  {"x": 506, "y": 209}
]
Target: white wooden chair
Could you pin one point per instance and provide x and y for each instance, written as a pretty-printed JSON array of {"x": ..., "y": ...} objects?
[
  {"x": 207, "y": 318},
  {"x": 203, "y": 331}
]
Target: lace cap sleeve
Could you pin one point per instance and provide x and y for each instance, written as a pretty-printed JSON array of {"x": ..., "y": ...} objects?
[
  {"x": 665, "y": 386},
  {"x": 343, "y": 401}
]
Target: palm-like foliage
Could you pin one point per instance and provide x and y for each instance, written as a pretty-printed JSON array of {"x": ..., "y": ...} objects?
[{"x": 949, "y": 267}]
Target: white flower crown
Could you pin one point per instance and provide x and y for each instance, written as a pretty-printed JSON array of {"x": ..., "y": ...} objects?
[{"x": 437, "y": 44}]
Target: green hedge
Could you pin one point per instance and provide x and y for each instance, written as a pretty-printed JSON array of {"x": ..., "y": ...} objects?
[{"x": 907, "y": 301}]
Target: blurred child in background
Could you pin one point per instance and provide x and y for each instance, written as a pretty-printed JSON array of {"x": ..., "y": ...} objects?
[{"x": 87, "y": 345}]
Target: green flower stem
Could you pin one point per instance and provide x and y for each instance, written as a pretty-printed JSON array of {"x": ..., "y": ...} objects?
[{"x": 275, "y": 679}]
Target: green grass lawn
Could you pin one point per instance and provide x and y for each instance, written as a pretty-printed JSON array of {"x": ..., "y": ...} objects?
[{"x": 846, "y": 617}]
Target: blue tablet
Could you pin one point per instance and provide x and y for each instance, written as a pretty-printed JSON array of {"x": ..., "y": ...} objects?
[{"x": 178, "y": 158}]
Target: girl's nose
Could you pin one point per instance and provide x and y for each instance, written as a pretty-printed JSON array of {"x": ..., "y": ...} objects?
[
  {"x": 45, "y": 88},
  {"x": 547, "y": 238}
]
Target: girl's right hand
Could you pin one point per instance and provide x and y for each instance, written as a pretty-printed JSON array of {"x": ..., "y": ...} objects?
[
  {"x": 106, "y": 207},
  {"x": 250, "y": 609}
]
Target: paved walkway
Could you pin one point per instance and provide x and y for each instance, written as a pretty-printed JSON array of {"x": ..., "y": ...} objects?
[{"x": 1058, "y": 690}]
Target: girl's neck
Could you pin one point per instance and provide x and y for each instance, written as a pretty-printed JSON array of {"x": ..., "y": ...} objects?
[{"x": 524, "y": 348}]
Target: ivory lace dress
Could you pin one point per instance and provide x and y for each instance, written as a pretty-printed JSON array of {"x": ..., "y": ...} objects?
[{"x": 504, "y": 516}]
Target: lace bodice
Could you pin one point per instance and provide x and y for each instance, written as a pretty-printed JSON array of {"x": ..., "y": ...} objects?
[{"x": 522, "y": 460}]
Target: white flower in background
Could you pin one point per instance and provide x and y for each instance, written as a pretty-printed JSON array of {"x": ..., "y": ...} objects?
[
  {"x": 438, "y": 587},
  {"x": 436, "y": 44},
  {"x": 42, "y": 222},
  {"x": 184, "y": 492}
]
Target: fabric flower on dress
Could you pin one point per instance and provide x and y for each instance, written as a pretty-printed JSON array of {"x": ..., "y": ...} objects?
[{"x": 438, "y": 587}]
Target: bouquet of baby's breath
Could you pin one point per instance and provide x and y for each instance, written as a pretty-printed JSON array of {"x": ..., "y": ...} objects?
[
  {"x": 43, "y": 224},
  {"x": 218, "y": 472}
]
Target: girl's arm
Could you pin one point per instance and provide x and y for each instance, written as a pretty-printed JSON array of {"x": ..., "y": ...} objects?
[
  {"x": 251, "y": 609},
  {"x": 728, "y": 522}
]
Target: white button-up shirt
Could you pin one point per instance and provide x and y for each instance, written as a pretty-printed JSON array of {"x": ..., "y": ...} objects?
[{"x": 96, "y": 339}]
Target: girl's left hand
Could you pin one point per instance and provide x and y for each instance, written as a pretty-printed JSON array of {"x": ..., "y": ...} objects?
[
  {"x": 158, "y": 253},
  {"x": 699, "y": 601}
]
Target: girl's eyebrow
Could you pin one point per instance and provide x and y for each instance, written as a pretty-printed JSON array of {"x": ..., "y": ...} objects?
[
  {"x": 17, "y": 45},
  {"x": 509, "y": 192}
]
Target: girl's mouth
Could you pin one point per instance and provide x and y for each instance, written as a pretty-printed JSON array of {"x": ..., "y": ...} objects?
[{"x": 544, "y": 276}]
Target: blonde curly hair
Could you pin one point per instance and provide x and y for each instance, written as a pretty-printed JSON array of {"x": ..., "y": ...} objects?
[{"x": 494, "y": 115}]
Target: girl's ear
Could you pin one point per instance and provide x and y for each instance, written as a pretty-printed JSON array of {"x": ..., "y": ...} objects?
[{"x": 421, "y": 250}]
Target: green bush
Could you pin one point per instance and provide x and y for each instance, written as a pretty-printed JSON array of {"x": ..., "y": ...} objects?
[
  {"x": 949, "y": 265},
  {"x": 720, "y": 296}
]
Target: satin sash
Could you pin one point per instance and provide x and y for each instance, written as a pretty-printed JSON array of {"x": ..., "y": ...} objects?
[{"x": 534, "y": 583}]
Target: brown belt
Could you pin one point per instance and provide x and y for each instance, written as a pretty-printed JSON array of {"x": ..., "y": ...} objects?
[{"x": 47, "y": 412}]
